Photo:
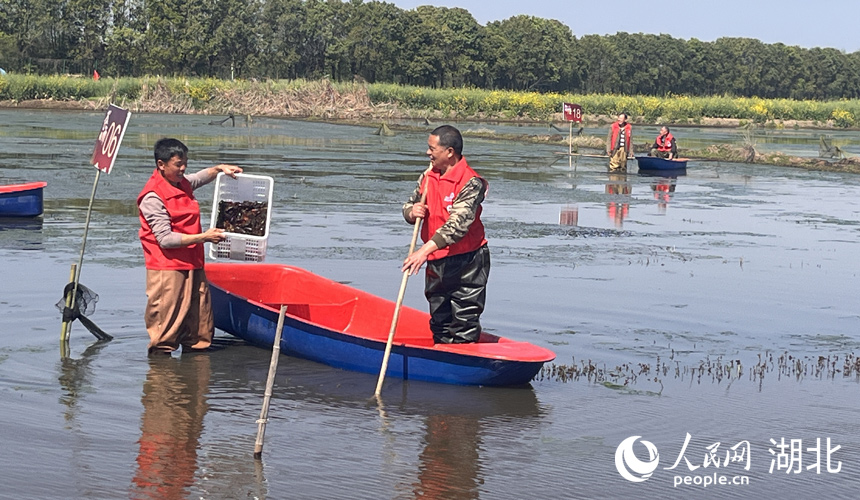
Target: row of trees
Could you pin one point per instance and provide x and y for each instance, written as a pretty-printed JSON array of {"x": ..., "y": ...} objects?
[{"x": 429, "y": 46}]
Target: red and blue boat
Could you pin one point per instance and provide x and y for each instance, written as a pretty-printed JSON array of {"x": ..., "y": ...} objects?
[
  {"x": 344, "y": 327},
  {"x": 22, "y": 200}
]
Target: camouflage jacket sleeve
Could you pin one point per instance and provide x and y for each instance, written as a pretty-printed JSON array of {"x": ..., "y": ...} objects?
[
  {"x": 463, "y": 212},
  {"x": 413, "y": 199}
]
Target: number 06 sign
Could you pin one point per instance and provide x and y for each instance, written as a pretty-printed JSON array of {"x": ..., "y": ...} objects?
[{"x": 110, "y": 137}]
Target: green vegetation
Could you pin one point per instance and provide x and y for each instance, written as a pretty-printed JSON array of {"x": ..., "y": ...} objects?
[
  {"x": 374, "y": 103},
  {"x": 427, "y": 47},
  {"x": 649, "y": 109},
  {"x": 306, "y": 98}
]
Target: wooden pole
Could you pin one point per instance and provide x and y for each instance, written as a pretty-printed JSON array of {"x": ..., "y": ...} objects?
[
  {"x": 570, "y": 139},
  {"x": 273, "y": 368},
  {"x": 400, "y": 297},
  {"x": 67, "y": 326}
]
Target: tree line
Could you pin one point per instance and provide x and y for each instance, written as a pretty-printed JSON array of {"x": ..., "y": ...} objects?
[{"x": 375, "y": 41}]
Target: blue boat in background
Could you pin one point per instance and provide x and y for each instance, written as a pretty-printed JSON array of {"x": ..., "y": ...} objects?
[
  {"x": 655, "y": 163},
  {"x": 22, "y": 200}
]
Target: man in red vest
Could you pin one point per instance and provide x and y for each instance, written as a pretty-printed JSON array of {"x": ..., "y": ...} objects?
[
  {"x": 178, "y": 308},
  {"x": 619, "y": 143},
  {"x": 455, "y": 248},
  {"x": 664, "y": 146}
]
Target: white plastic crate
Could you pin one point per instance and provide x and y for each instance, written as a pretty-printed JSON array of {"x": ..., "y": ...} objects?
[{"x": 244, "y": 187}]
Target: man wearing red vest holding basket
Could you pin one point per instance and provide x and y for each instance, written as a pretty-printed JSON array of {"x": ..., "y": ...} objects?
[
  {"x": 178, "y": 308},
  {"x": 455, "y": 248}
]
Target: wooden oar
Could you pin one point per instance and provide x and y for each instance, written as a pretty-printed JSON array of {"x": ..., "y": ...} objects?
[
  {"x": 400, "y": 295},
  {"x": 273, "y": 367}
]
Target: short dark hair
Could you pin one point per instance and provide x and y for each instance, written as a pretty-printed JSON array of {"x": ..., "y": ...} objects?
[
  {"x": 166, "y": 148},
  {"x": 626, "y": 116},
  {"x": 449, "y": 137}
]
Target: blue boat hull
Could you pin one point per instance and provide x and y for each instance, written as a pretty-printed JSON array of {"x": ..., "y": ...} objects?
[
  {"x": 256, "y": 324},
  {"x": 654, "y": 163},
  {"x": 23, "y": 203}
]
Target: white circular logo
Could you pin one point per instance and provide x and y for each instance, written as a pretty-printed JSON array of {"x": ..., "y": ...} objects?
[{"x": 630, "y": 467}]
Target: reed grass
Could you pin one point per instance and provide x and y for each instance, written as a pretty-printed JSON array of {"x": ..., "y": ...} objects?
[{"x": 325, "y": 99}]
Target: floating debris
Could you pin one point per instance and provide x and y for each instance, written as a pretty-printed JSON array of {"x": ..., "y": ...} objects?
[{"x": 242, "y": 217}]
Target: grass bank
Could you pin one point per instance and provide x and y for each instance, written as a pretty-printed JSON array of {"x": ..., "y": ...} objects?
[
  {"x": 374, "y": 103},
  {"x": 470, "y": 103},
  {"x": 325, "y": 99}
]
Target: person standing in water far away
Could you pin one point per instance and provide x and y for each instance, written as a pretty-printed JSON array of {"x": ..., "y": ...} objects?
[{"x": 619, "y": 144}]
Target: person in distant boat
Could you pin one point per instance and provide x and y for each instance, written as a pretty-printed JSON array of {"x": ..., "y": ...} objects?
[
  {"x": 178, "y": 309},
  {"x": 619, "y": 143},
  {"x": 664, "y": 146},
  {"x": 455, "y": 247}
]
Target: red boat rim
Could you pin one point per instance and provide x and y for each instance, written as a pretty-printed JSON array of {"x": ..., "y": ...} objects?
[{"x": 13, "y": 188}]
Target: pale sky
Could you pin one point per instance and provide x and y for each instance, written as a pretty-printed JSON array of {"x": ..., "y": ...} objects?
[{"x": 822, "y": 23}]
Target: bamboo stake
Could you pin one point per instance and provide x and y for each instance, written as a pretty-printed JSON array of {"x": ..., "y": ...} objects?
[
  {"x": 273, "y": 368},
  {"x": 67, "y": 326},
  {"x": 400, "y": 296},
  {"x": 570, "y": 139}
]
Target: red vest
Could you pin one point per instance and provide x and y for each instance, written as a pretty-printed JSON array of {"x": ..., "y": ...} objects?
[
  {"x": 184, "y": 214},
  {"x": 615, "y": 138},
  {"x": 666, "y": 143},
  {"x": 441, "y": 193}
]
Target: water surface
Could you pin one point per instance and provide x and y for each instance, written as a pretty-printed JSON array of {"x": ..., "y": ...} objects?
[{"x": 652, "y": 281}]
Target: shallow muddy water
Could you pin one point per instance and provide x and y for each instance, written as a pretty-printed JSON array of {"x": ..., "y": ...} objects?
[{"x": 651, "y": 290}]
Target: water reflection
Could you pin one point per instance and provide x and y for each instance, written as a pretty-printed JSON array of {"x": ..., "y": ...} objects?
[
  {"x": 663, "y": 189},
  {"x": 174, "y": 404},
  {"x": 462, "y": 428},
  {"x": 663, "y": 185},
  {"x": 569, "y": 216},
  {"x": 451, "y": 464},
  {"x": 21, "y": 233},
  {"x": 620, "y": 190},
  {"x": 76, "y": 378}
]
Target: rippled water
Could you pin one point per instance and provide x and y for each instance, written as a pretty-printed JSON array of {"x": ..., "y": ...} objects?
[{"x": 649, "y": 281}]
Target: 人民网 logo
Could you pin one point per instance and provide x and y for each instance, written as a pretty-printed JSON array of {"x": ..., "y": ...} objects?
[{"x": 630, "y": 467}]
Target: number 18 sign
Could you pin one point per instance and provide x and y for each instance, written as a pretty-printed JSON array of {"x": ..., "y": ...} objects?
[
  {"x": 572, "y": 112},
  {"x": 110, "y": 137}
]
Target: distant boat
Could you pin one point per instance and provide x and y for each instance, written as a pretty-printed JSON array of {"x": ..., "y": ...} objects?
[
  {"x": 347, "y": 328},
  {"x": 655, "y": 163},
  {"x": 21, "y": 200}
]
